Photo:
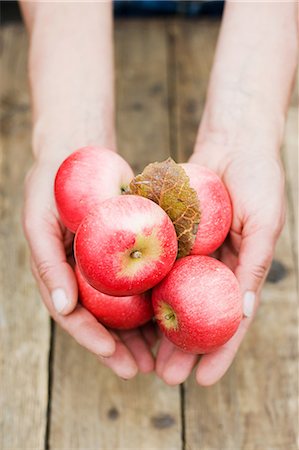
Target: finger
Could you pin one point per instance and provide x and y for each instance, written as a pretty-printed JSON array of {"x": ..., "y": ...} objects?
[
  {"x": 228, "y": 257},
  {"x": 139, "y": 349},
  {"x": 81, "y": 325},
  {"x": 46, "y": 244},
  {"x": 178, "y": 367},
  {"x": 165, "y": 350},
  {"x": 256, "y": 253},
  {"x": 122, "y": 362},
  {"x": 214, "y": 365},
  {"x": 88, "y": 332},
  {"x": 229, "y": 251}
]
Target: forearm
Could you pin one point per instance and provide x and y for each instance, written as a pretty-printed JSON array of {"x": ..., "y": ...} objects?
[
  {"x": 71, "y": 76},
  {"x": 252, "y": 77}
]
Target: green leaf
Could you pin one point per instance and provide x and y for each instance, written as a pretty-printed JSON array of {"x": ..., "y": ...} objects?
[{"x": 167, "y": 184}]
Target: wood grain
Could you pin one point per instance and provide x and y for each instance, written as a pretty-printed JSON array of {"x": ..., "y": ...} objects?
[
  {"x": 142, "y": 91},
  {"x": 255, "y": 405},
  {"x": 162, "y": 76},
  {"x": 192, "y": 46},
  {"x": 290, "y": 156},
  {"x": 92, "y": 408},
  {"x": 24, "y": 323}
]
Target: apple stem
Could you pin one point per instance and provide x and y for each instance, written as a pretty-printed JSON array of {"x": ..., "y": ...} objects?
[
  {"x": 136, "y": 254},
  {"x": 124, "y": 190},
  {"x": 169, "y": 316}
]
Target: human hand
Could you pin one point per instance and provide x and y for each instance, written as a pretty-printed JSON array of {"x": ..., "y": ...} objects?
[
  {"x": 255, "y": 183},
  {"x": 239, "y": 137},
  {"x": 125, "y": 352}
]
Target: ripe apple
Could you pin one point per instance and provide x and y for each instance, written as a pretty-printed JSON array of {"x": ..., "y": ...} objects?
[
  {"x": 198, "y": 304},
  {"x": 122, "y": 313},
  {"x": 215, "y": 207},
  {"x": 87, "y": 177},
  {"x": 125, "y": 246}
]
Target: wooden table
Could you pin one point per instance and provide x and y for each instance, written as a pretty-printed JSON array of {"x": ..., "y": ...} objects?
[{"x": 55, "y": 395}]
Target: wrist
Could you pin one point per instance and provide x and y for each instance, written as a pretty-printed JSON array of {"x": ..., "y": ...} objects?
[
  {"x": 231, "y": 125},
  {"x": 55, "y": 142}
]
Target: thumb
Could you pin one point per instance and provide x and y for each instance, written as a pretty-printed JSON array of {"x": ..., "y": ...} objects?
[
  {"x": 49, "y": 258},
  {"x": 254, "y": 260}
]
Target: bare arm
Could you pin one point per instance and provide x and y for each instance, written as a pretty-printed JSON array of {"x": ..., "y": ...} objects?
[
  {"x": 240, "y": 137},
  {"x": 71, "y": 76},
  {"x": 252, "y": 76}
]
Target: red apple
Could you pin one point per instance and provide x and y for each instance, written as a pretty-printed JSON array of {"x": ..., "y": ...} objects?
[
  {"x": 215, "y": 206},
  {"x": 122, "y": 313},
  {"x": 126, "y": 246},
  {"x": 198, "y": 305},
  {"x": 87, "y": 177}
]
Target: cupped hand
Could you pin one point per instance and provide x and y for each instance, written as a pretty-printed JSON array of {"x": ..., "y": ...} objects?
[
  {"x": 125, "y": 352},
  {"x": 255, "y": 182}
]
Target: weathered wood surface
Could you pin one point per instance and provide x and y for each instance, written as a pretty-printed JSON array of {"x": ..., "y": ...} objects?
[
  {"x": 162, "y": 74},
  {"x": 92, "y": 408},
  {"x": 192, "y": 45},
  {"x": 24, "y": 323},
  {"x": 290, "y": 157}
]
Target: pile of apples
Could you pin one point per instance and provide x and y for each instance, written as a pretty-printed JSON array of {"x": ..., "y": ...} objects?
[{"x": 142, "y": 243}]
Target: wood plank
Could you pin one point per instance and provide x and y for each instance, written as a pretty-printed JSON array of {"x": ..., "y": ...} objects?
[
  {"x": 192, "y": 45},
  {"x": 92, "y": 408},
  {"x": 142, "y": 91},
  {"x": 24, "y": 323},
  {"x": 290, "y": 156},
  {"x": 255, "y": 405}
]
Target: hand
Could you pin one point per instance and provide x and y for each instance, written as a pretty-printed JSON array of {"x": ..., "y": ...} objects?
[
  {"x": 50, "y": 243},
  {"x": 255, "y": 183}
]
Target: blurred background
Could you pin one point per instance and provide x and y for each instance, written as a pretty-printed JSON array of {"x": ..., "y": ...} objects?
[{"x": 139, "y": 8}]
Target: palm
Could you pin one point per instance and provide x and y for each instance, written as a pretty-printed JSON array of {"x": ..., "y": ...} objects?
[
  {"x": 255, "y": 184},
  {"x": 52, "y": 261}
]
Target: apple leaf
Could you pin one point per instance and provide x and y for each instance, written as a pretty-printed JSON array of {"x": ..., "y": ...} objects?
[{"x": 167, "y": 184}]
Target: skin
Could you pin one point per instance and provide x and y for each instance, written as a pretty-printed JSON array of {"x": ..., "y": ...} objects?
[
  {"x": 67, "y": 116},
  {"x": 239, "y": 137}
]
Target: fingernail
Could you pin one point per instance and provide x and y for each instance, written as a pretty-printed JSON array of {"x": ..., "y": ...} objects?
[
  {"x": 105, "y": 352},
  {"x": 59, "y": 299},
  {"x": 248, "y": 303}
]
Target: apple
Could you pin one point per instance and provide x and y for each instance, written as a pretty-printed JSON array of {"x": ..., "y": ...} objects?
[
  {"x": 122, "y": 313},
  {"x": 87, "y": 177},
  {"x": 125, "y": 246},
  {"x": 198, "y": 304},
  {"x": 215, "y": 207}
]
